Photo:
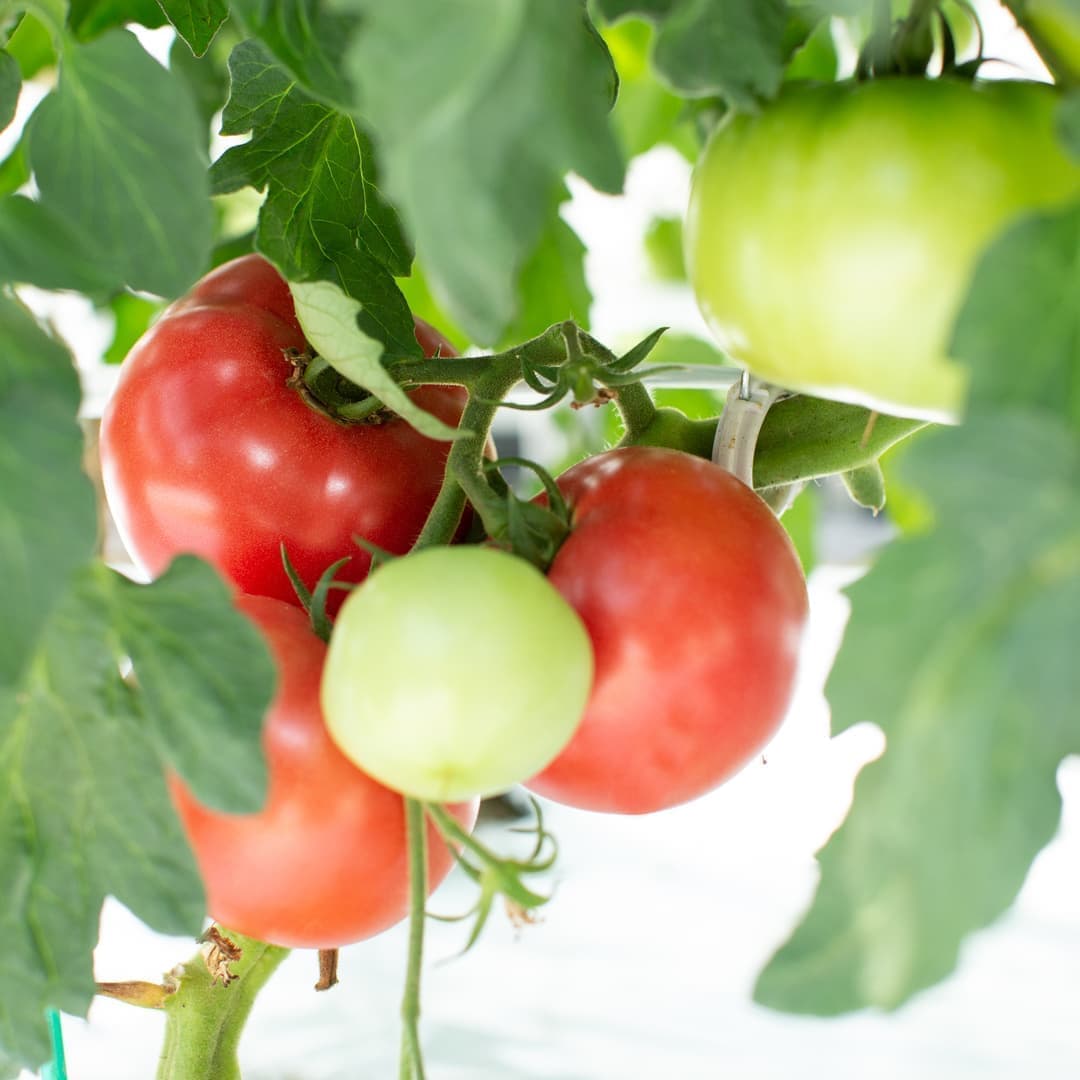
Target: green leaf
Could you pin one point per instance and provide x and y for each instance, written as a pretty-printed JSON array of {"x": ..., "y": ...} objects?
[
  {"x": 646, "y": 112},
  {"x": 48, "y": 519},
  {"x": 476, "y": 126},
  {"x": 132, "y": 316},
  {"x": 664, "y": 248},
  {"x": 10, "y": 85},
  {"x": 552, "y": 285},
  {"x": 329, "y": 321},
  {"x": 733, "y": 49},
  {"x": 308, "y": 38},
  {"x": 1024, "y": 343},
  {"x": 800, "y": 521},
  {"x": 107, "y": 164},
  {"x": 196, "y": 21},
  {"x": 8, "y": 1069},
  {"x": 962, "y": 646},
  {"x": 323, "y": 218},
  {"x": 866, "y": 486},
  {"x": 90, "y": 18},
  {"x": 39, "y": 246},
  {"x": 14, "y": 169},
  {"x": 31, "y": 45},
  {"x": 206, "y": 77},
  {"x": 84, "y": 810}
]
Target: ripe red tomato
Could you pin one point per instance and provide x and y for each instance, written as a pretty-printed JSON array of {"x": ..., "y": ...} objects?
[
  {"x": 207, "y": 448},
  {"x": 325, "y": 862},
  {"x": 695, "y": 601}
]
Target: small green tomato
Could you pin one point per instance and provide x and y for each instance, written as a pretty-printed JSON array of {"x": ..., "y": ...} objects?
[{"x": 455, "y": 671}]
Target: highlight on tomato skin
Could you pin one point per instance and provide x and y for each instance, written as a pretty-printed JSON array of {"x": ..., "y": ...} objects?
[
  {"x": 695, "y": 603},
  {"x": 325, "y": 862},
  {"x": 208, "y": 448}
]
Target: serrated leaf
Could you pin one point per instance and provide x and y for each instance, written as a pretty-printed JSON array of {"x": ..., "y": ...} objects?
[
  {"x": 552, "y": 284},
  {"x": 41, "y": 247},
  {"x": 329, "y": 320},
  {"x": 1024, "y": 343},
  {"x": 201, "y": 669},
  {"x": 323, "y": 218},
  {"x": 10, "y": 85},
  {"x": 962, "y": 646},
  {"x": 475, "y": 150},
  {"x": 196, "y": 21},
  {"x": 48, "y": 520},
  {"x": 107, "y": 165},
  {"x": 735, "y": 49},
  {"x": 84, "y": 810},
  {"x": 308, "y": 39}
]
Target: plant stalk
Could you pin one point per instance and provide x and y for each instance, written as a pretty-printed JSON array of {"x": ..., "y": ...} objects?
[{"x": 412, "y": 1062}]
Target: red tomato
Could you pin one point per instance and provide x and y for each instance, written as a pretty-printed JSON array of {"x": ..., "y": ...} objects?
[
  {"x": 695, "y": 602},
  {"x": 207, "y": 448},
  {"x": 325, "y": 862}
]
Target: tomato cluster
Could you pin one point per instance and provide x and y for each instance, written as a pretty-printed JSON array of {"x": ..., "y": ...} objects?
[{"x": 654, "y": 658}]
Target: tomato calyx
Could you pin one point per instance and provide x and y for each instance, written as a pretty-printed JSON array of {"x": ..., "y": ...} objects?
[
  {"x": 328, "y": 392},
  {"x": 908, "y": 46},
  {"x": 532, "y": 531}
]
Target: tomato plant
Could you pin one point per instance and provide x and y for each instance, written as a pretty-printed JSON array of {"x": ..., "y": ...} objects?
[
  {"x": 209, "y": 446},
  {"x": 694, "y": 601},
  {"x": 832, "y": 237},
  {"x": 455, "y": 672},
  {"x": 879, "y": 236},
  {"x": 324, "y": 863}
]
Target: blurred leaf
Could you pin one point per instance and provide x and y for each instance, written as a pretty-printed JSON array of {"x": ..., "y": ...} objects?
[
  {"x": 694, "y": 403},
  {"x": 552, "y": 285},
  {"x": 32, "y": 46},
  {"x": 476, "y": 126},
  {"x": 689, "y": 351},
  {"x": 962, "y": 646},
  {"x": 14, "y": 169},
  {"x": 815, "y": 57},
  {"x": 733, "y": 49},
  {"x": 323, "y": 217},
  {"x": 48, "y": 518},
  {"x": 84, "y": 810},
  {"x": 329, "y": 321},
  {"x": 1038, "y": 324},
  {"x": 196, "y": 21},
  {"x": 40, "y": 247},
  {"x": 308, "y": 38},
  {"x": 907, "y": 508},
  {"x": 800, "y": 521},
  {"x": 10, "y": 85},
  {"x": 106, "y": 164},
  {"x": 421, "y": 303},
  {"x": 206, "y": 77},
  {"x": 91, "y": 18},
  {"x": 664, "y": 248},
  {"x": 132, "y": 316},
  {"x": 646, "y": 112}
]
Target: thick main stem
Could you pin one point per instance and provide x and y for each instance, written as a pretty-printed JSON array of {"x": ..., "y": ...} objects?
[{"x": 206, "y": 1019}]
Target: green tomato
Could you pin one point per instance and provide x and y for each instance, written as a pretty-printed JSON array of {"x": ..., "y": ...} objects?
[
  {"x": 831, "y": 238},
  {"x": 455, "y": 672}
]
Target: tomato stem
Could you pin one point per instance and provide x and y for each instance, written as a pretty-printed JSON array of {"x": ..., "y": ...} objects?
[
  {"x": 636, "y": 408},
  {"x": 412, "y": 1062},
  {"x": 204, "y": 1019}
]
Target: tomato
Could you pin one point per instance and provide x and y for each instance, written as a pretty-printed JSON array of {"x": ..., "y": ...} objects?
[
  {"x": 695, "y": 602},
  {"x": 455, "y": 672},
  {"x": 831, "y": 239},
  {"x": 208, "y": 448},
  {"x": 325, "y": 862}
]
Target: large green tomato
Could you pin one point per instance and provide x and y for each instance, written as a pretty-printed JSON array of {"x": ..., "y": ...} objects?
[
  {"x": 831, "y": 238},
  {"x": 455, "y": 670}
]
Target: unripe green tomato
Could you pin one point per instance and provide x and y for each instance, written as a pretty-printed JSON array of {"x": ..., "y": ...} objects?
[
  {"x": 455, "y": 670},
  {"x": 832, "y": 237}
]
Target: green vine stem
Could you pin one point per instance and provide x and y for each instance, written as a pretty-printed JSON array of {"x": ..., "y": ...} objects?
[
  {"x": 412, "y": 1061},
  {"x": 204, "y": 1018},
  {"x": 636, "y": 409}
]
